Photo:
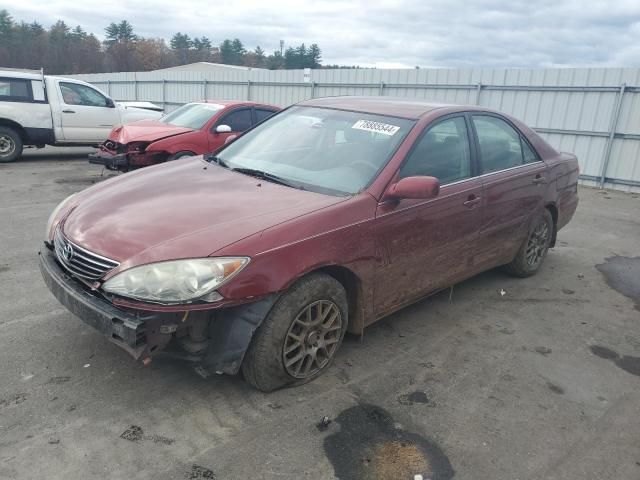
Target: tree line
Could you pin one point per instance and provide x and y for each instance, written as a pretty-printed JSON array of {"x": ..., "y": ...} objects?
[{"x": 61, "y": 49}]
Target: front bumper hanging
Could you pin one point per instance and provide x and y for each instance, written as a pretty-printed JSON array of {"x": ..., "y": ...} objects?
[{"x": 123, "y": 328}]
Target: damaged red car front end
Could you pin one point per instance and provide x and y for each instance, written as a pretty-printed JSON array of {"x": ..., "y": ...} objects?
[
  {"x": 127, "y": 147},
  {"x": 193, "y": 129}
]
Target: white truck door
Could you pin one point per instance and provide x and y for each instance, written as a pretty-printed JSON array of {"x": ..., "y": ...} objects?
[{"x": 86, "y": 115}]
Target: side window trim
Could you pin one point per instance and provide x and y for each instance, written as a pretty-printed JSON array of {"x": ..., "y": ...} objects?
[
  {"x": 476, "y": 141},
  {"x": 97, "y": 92},
  {"x": 472, "y": 149},
  {"x": 524, "y": 141},
  {"x": 234, "y": 110}
]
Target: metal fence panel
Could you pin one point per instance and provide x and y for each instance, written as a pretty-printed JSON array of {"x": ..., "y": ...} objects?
[{"x": 592, "y": 112}]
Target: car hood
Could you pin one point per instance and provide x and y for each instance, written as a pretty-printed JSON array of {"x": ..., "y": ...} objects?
[
  {"x": 145, "y": 131},
  {"x": 181, "y": 209}
]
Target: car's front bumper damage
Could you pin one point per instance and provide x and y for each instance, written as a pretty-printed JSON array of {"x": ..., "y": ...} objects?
[
  {"x": 215, "y": 339},
  {"x": 119, "y": 161}
]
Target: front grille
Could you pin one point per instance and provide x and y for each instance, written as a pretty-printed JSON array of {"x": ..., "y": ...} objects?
[{"x": 79, "y": 261}]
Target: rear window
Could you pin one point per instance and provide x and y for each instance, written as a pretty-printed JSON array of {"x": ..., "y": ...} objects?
[{"x": 15, "y": 90}]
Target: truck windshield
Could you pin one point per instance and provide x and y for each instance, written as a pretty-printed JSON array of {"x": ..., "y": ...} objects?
[
  {"x": 319, "y": 149},
  {"x": 192, "y": 115}
]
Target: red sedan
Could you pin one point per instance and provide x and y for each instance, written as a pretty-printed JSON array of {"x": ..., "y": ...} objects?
[
  {"x": 192, "y": 129},
  {"x": 321, "y": 220}
]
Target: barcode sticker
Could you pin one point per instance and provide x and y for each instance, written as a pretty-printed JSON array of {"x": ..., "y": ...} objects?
[{"x": 377, "y": 127}]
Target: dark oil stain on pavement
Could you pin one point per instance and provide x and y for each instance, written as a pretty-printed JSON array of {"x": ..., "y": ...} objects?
[
  {"x": 415, "y": 397},
  {"x": 623, "y": 274},
  {"x": 555, "y": 388},
  {"x": 198, "y": 472},
  {"x": 370, "y": 447},
  {"x": 4, "y": 268},
  {"x": 627, "y": 363},
  {"x": 135, "y": 433},
  {"x": 58, "y": 380}
]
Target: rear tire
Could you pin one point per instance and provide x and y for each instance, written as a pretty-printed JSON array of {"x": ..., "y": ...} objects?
[
  {"x": 534, "y": 249},
  {"x": 10, "y": 145},
  {"x": 300, "y": 336}
]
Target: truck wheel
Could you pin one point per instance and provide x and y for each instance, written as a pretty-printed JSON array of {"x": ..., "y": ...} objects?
[
  {"x": 10, "y": 145},
  {"x": 178, "y": 155},
  {"x": 301, "y": 335},
  {"x": 534, "y": 249}
]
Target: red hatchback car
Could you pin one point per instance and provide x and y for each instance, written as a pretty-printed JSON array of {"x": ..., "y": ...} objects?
[
  {"x": 192, "y": 129},
  {"x": 325, "y": 218}
]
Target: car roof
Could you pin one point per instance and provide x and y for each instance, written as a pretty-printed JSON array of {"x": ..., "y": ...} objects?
[
  {"x": 412, "y": 108},
  {"x": 227, "y": 103}
]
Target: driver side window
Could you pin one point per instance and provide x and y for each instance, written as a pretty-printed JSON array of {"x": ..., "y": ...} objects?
[
  {"x": 238, "y": 120},
  {"x": 76, "y": 94},
  {"x": 442, "y": 152}
]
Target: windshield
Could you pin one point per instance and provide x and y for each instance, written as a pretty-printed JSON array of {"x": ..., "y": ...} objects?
[
  {"x": 192, "y": 115},
  {"x": 319, "y": 149}
]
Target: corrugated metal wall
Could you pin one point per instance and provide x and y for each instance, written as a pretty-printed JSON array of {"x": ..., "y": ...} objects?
[{"x": 593, "y": 112}]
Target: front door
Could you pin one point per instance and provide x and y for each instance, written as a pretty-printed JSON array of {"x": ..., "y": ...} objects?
[
  {"x": 86, "y": 115},
  {"x": 426, "y": 245},
  {"x": 238, "y": 120}
]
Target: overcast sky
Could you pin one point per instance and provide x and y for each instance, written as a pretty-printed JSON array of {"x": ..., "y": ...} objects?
[{"x": 451, "y": 33}]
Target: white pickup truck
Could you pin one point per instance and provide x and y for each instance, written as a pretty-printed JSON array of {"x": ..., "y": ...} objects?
[{"x": 38, "y": 110}]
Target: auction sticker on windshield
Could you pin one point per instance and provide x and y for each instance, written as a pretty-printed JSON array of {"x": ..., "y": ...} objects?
[{"x": 377, "y": 127}]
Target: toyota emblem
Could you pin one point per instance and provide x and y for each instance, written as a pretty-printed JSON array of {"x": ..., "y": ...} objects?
[{"x": 67, "y": 252}]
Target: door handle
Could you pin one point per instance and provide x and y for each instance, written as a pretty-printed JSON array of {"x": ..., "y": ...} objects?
[
  {"x": 68, "y": 111},
  {"x": 538, "y": 179},
  {"x": 471, "y": 201}
]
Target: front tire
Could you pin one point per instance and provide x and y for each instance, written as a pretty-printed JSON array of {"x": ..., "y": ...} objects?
[
  {"x": 10, "y": 145},
  {"x": 300, "y": 337},
  {"x": 534, "y": 249}
]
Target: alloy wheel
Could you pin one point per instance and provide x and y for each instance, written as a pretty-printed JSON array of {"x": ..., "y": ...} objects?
[
  {"x": 312, "y": 339},
  {"x": 537, "y": 244}
]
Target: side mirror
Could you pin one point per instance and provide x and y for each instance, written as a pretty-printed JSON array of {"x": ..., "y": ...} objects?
[
  {"x": 223, "y": 129},
  {"x": 422, "y": 188},
  {"x": 110, "y": 103}
]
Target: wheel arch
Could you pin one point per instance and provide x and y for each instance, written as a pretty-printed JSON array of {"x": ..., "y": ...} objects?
[
  {"x": 5, "y": 122},
  {"x": 353, "y": 286}
]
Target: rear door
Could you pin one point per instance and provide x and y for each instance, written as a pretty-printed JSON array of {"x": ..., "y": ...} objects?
[
  {"x": 426, "y": 245},
  {"x": 514, "y": 179},
  {"x": 239, "y": 120},
  {"x": 86, "y": 115}
]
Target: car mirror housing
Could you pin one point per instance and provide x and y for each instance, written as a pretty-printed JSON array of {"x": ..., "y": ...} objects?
[
  {"x": 223, "y": 129},
  {"x": 422, "y": 188},
  {"x": 110, "y": 103}
]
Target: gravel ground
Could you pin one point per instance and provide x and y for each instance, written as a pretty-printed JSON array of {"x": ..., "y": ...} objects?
[{"x": 542, "y": 382}]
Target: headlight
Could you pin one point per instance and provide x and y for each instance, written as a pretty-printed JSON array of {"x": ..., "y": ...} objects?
[
  {"x": 176, "y": 281},
  {"x": 54, "y": 214}
]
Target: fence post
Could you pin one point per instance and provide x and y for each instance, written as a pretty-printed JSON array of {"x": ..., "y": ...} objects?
[
  {"x": 478, "y": 90},
  {"x": 164, "y": 93},
  {"x": 109, "y": 87},
  {"x": 612, "y": 133},
  {"x": 313, "y": 89},
  {"x": 204, "y": 89},
  {"x": 248, "y": 89},
  {"x": 135, "y": 86},
  {"x": 381, "y": 88}
]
